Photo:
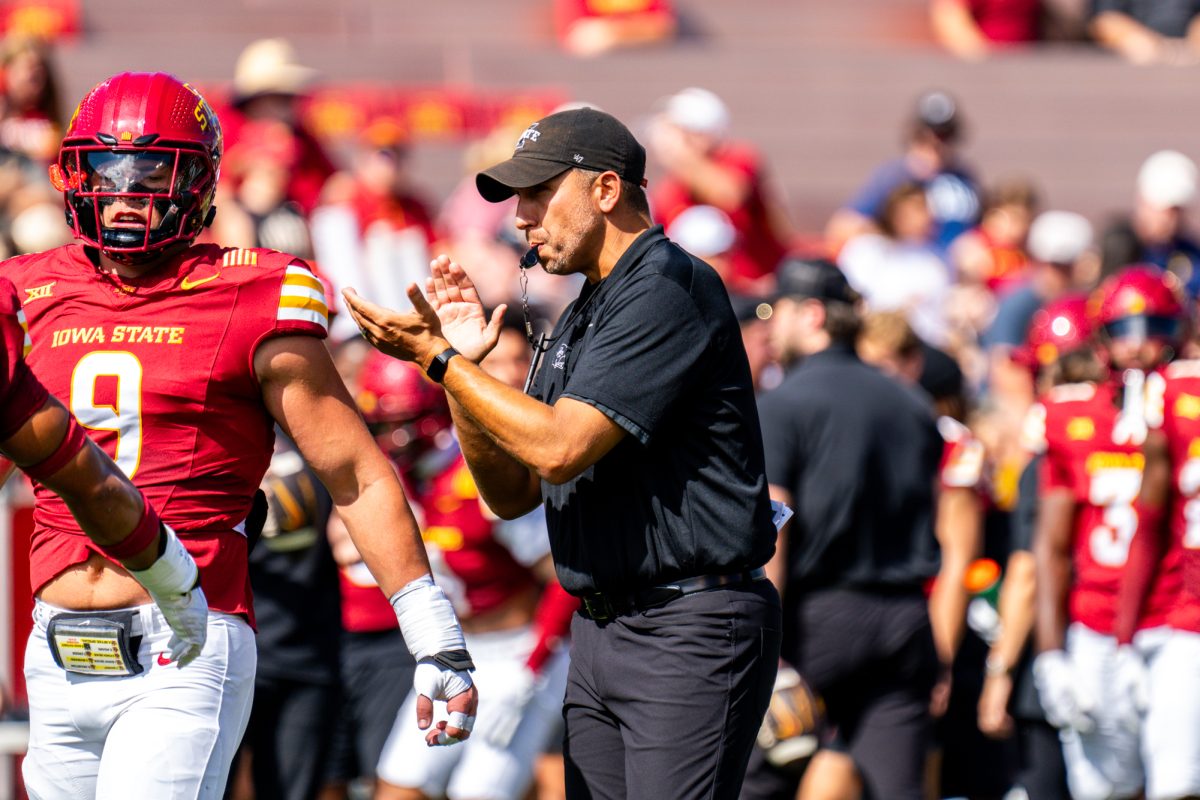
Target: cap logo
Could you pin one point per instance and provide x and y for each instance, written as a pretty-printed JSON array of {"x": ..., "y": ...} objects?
[
  {"x": 577, "y": 158},
  {"x": 531, "y": 134}
]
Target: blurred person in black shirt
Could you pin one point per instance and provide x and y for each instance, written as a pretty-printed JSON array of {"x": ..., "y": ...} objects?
[
  {"x": 856, "y": 454},
  {"x": 295, "y": 586}
]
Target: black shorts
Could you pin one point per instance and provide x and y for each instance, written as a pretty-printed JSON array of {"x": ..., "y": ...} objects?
[
  {"x": 377, "y": 673},
  {"x": 871, "y": 657}
]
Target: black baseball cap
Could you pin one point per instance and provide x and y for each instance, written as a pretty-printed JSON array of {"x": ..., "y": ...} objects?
[
  {"x": 937, "y": 112},
  {"x": 583, "y": 138},
  {"x": 815, "y": 278}
]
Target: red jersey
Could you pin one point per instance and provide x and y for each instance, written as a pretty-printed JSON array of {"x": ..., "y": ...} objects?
[
  {"x": 758, "y": 249},
  {"x": 1090, "y": 452},
  {"x": 1177, "y": 414},
  {"x": 477, "y": 561},
  {"x": 20, "y": 392},
  {"x": 365, "y": 608},
  {"x": 159, "y": 369}
]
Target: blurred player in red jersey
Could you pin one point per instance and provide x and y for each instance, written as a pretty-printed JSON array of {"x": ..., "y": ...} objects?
[
  {"x": 179, "y": 357},
  {"x": 46, "y": 442},
  {"x": 1058, "y": 349},
  {"x": 494, "y": 572},
  {"x": 1087, "y": 518},
  {"x": 1168, "y": 531}
]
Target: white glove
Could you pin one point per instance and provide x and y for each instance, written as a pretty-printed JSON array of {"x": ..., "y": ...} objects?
[
  {"x": 504, "y": 713},
  {"x": 438, "y": 682},
  {"x": 1132, "y": 687},
  {"x": 1065, "y": 704},
  {"x": 173, "y": 582}
]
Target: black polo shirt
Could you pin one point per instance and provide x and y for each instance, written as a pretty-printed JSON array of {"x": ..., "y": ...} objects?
[
  {"x": 656, "y": 348},
  {"x": 859, "y": 454}
]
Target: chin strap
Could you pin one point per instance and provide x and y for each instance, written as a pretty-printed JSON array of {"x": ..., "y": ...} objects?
[{"x": 1130, "y": 427}]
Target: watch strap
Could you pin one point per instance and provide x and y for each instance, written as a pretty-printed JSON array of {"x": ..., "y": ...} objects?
[{"x": 437, "y": 368}]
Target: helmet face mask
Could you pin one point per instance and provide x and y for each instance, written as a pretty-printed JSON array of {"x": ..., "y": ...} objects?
[
  {"x": 139, "y": 166},
  {"x": 1141, "y": 317}
]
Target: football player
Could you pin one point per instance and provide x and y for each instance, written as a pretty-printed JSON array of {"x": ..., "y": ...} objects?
[
  {"x": 1087, "y": 517},
  {"x": 501, "y": 580},
  {"x": 46, "y": 442},
  {"x": 1058, "y": 349},
  {"x": 1168, "y": 530},
  {"x": 179, "y": 358}
]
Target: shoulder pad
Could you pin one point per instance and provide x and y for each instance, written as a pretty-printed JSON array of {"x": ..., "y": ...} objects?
[
  {"x": 1184, "y": 369},
  {"x": 1071, "y": 393}
]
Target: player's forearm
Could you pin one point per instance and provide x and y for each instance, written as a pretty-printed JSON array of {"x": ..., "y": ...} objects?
[
  {"x": 948, "y": 612},
  {"x": 108, "y": 508},
  {"x": 1150, "y": 540},
  {"x": 1016, "y": 607},
  {"x": 1052, "y": 591},
  {"x": 383, "y": 529},
  {"x": 1125, "y": 35},
  {"x": 956, "y": 29},
  {"x": 715, "y": 185},
  {"x": 507, "y": 486},
  {"x": 959, "y": 534}
]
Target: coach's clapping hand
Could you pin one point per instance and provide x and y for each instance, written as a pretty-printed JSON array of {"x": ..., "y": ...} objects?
[
  {"x": 453, "y": 299},
  {"x": 451, "y": 316}
]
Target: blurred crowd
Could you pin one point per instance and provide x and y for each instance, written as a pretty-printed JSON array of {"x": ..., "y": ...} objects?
[{"x": 971, "y": 295}]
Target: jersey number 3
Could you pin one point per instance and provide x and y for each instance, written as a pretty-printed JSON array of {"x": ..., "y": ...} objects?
[
  {"x": 106, "y": 395},
  {"x": 1115, "y": 490}
]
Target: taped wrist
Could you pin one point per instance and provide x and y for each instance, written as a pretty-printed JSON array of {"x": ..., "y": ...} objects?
[
  {"x": 427, "y": 620},
  {"x": 144, "y": 534},
  {"x": 457, "y": 660},
  {"x": 174, "y": 573},
  {"x": 67, "y": 449}
]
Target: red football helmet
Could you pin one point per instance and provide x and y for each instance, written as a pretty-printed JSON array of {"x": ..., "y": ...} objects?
[
  {"x": 1057, "y": 328},
  {"x": 407, "y": 413},
  {"x": 152, "y": 141},
  {"x": 1141, "y": 301}
]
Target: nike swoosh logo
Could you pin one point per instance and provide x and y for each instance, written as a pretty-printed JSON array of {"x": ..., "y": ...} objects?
[
  {"x": 163, "y": 661},
  {"x": 188, "y": 283}
]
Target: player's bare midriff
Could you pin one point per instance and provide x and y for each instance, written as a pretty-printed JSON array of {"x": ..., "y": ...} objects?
[
  {"x": 93, "y": 584},
  {"x": 512, "y": 613}
]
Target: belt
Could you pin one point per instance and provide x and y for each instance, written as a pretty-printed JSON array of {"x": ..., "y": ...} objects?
[{"x": 604, "y": 606}]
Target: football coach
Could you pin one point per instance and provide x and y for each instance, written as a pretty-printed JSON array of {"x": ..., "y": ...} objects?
[{"x": 641, "y": 437}]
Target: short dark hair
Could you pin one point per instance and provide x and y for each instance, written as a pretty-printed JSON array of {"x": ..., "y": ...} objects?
[
  {"x": 842, "y": 321},
  {"x": 895, "y": 198},
  {"x": 632, "y": 194}
]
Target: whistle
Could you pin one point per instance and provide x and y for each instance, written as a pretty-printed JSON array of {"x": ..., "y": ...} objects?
[{"x": 529, "y": 259}]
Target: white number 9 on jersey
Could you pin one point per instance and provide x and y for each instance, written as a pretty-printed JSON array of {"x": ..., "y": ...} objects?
[{"x": 122, "y": 416}]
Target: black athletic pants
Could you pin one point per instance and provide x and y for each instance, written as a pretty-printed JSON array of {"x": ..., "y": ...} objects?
[{"x": 666, "y": 703}]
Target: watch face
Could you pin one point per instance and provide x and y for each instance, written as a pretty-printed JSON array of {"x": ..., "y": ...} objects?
[{"x": 437, "y": 367}]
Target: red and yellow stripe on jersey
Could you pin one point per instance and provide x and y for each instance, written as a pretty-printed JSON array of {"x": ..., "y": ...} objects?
[{"x": 302, "y": 298}]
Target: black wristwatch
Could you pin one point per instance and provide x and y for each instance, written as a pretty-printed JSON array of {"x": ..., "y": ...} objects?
[{"x": 437, "y": 368}]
